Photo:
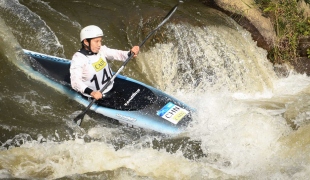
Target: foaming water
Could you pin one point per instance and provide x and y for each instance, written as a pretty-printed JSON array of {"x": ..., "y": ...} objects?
[
  {"x": 239, "y": 139},
  {"x": 248, "y": 123},
  {"x": 245, "y": 115},
  {"x": 54, "y": 160},
  {"x": 253, "y": 135},
  {"x": 209, "y": 59}
]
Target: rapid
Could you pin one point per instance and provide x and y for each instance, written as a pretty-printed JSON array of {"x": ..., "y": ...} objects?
[{"x": 251, "y": 120}]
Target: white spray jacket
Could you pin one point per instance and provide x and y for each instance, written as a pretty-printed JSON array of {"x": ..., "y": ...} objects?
[{"x": 93, "y": 71}]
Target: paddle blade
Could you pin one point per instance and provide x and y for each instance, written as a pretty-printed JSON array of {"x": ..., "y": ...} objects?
[{"x": 78, "y": 120}]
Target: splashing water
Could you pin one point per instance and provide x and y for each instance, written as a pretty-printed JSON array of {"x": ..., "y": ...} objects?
[
  {"x": 250, "y": 123},
  {"x": 209, "y": 59}
]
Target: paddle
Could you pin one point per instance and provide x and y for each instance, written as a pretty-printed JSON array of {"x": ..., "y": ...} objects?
[{"x": 78, "y": 120}]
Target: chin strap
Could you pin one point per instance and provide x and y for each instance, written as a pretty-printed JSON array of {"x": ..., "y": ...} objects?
[
  {"x": 87, "y": 49},
  {"x": 86, "y": 52}
]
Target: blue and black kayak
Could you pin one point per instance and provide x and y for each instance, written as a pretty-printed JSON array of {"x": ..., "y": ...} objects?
[{"x": 130, "y": 102}]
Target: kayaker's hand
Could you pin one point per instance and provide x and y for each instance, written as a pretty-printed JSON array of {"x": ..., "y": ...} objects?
[
  {"x": 135, "y": 50},
  {"x": 96, "y": 94}
]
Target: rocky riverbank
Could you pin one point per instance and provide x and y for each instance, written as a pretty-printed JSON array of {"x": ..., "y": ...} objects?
[{"x": 250, "y": 17}]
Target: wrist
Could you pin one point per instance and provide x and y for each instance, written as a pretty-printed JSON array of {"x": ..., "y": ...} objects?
[
  {"x": 88, "y": 91},
  {"x": 129, "y": 53},
  {"x": 92, "y": 93}
]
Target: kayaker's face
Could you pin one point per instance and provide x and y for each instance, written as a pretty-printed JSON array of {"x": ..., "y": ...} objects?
[{"x": 95, "y": 44}]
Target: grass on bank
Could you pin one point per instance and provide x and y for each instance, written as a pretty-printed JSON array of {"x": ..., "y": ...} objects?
[{"x": 290, "y": 23}]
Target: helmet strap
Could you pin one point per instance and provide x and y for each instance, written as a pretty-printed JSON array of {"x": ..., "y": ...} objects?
[{"x": 88, "y": 48}]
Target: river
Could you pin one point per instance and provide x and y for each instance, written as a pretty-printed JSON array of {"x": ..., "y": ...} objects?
[{"x": 251, "y": 121}]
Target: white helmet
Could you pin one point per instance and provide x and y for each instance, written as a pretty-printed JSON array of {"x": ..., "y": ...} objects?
[{"x": 91, "y": 31}]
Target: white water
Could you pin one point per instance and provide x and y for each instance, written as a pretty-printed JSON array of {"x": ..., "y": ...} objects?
[
  {"x": 241, "y": 140},
  {"x": 243, "y": 119},
  {"x": 209, "y": 59}
]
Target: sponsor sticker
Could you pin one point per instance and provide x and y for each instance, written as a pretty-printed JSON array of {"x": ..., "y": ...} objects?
[
  {"x": 126, "y": 118},
  {"x": 172, "y": 113},
  {"x": 100, "y": 64}
]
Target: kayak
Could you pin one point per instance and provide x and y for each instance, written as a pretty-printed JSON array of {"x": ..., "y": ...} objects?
[{"x": 130, "y": 102}]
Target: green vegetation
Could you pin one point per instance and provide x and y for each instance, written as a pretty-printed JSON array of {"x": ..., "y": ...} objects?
[
  {"x": 290, "y": 25},
  {"x": 308, "y": 53}
]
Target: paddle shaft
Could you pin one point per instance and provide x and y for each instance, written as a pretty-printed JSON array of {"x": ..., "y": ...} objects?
[{"x": 80, "y": 117}]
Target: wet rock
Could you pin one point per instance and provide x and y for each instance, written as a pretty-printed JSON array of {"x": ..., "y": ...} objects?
[
  {"x": 302, "y": 62},
  {"x": 302, "y": 65},
  {"x": 250, "y": 18}
]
